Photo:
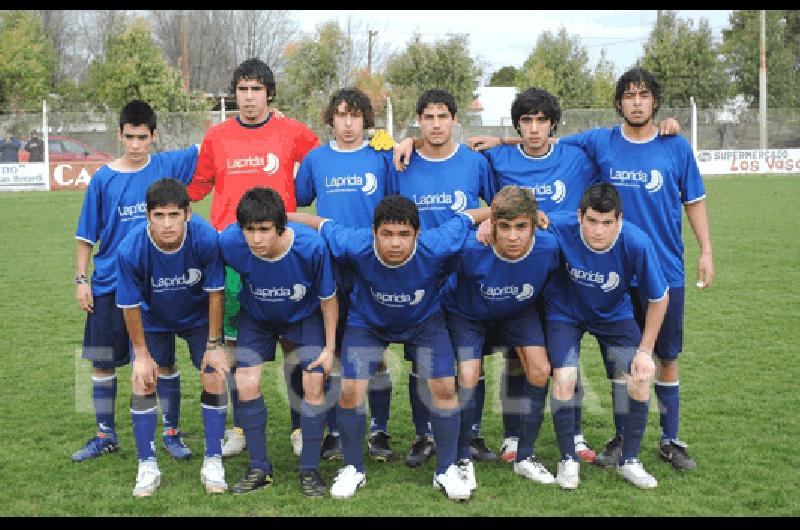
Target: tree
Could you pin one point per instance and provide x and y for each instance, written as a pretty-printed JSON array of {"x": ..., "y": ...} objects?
[
  {"x": 686, "y": 62},
  {"x": 741, "y": 48},
  {"x": 133, "y": 68},
  {"x": 445, "y": 64},
  {"x": 504, "y": 77},
  {"x": 27, "y": 61},
  {"x": 559, "y": 64},
  {"x": 263, "y": 34},
  {"x": 604, "y": 83}
]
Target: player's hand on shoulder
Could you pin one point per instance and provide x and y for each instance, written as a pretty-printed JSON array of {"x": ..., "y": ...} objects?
[
  {"x": 542, "y": 221},
  {"x": 402, "y": 154},
  {"x": 277, "y": 113},
  {"x": 669, "y": 127},
  {"x": 484, "y": 232},
  {"x": 482, "y": 142}
]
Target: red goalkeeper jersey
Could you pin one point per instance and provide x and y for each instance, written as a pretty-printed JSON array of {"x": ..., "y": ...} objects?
[{"x": 235, "y": 157}]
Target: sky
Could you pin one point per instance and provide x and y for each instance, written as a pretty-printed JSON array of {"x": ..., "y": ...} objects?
[{"x": 500, "y": 38}]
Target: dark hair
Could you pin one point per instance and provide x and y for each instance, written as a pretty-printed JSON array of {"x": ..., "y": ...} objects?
[
  {"x": 261, "y": 204},
  {"x": 637, "y": 76},
  {"x": 356, "y": 100},
  {"x": 136, "y": 113},
  {"x": 535, "y": 100},
  {"x": 396, "y": 209},
  {"x": 513, "y": 201},
  {"x": 254, "y": 70},
  {"x": 435, "y": 96},
  {"x": 602, "y": 198},
  {"x": 167, "y": 192}
]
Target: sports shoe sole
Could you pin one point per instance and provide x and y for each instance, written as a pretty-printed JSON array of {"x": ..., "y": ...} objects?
[
  {"x": 358, "y": 487},
  {"x": 211, "y": 488},
  {"x": 148, "y": 493},
  {"x": 460, "y": 498}
]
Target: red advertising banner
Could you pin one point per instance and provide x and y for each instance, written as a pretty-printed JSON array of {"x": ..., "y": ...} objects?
[{"x": 71, "y": 175}]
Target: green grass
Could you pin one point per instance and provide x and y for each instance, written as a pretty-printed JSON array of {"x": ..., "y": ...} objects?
[{"x": 739, "y": 378}]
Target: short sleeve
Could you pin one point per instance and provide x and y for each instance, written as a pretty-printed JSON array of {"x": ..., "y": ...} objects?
[
  {"x": 304, "y": 184},
  {"x": 130, "y": 291},
  {"x": 89, "y": 220}
]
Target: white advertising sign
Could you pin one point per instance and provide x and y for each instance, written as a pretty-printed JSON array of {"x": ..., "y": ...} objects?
[
  {"x": 25, "y": 176},
  {"x": 749, "y": 161}
]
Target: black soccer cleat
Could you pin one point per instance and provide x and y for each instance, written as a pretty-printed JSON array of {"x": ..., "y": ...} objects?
[
  {"x": 480, "y": 451},
  {"x": 253, "y": 480},
  {"x": 379, "y": 449},
  {"x": 311, "y": 483},
  {"x": 421, "y": 450},
  {"x": 612, "y": 450},
  {"x": 674, "y": 452},
  {"x": 331, "y": 448}
]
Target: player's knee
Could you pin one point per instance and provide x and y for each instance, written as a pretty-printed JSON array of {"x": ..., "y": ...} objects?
[
  {"x": 468, "y": 374},
  {"x": 539, "y": 373},
  {"x": 667, "y": 370},
  {"x": 212, "y": 384},
  {"x": 313, "y": 389},
  {"x": 348, "y": 395},
  {"x": 443, "y": 389},
  {"x": 564, "y": 380},
  {"x": 247, "y": 382},
  {"x": 640, "y": 391}
]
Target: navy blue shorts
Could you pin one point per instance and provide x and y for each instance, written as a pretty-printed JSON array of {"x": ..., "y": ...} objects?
[
  {"x": 669, "y": 342},
  {"x": 618, "y": 342},
  {"x": 344, "y": 276},
  {"x": 428, "y": 345},
  {"x": 161, "y": 345},
  {"x": 257, "y": 340},
  {"x": 105, "y": 337},
  {"x": 469, "y": 336}
]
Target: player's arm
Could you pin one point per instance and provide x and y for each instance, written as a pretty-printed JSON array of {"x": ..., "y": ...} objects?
[
  {"x": 643, "y": 367},
  {"x": 330, "y": 315},
  {"x": 145, "y": 369},
  {"x": 214, "y": 355},
  {"x": 698, "y": 219},
  {"x": 83, "y": 291},
  {"x": 202, "y": 182},
  {"x": 403, "y": 150},
  {"x": 479, "y": 215},
  {"x": 308, "y": 219}
]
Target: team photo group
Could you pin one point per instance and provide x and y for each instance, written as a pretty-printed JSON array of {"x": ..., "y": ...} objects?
[{"x": 505, "y": 246}]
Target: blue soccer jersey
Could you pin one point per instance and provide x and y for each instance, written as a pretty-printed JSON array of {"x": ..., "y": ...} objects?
[
  {"x": 286, "y": 289},
  {"x": 114, "y": 205},
  {"x": 654, "y": 178},
  {"x": 443, "y": 187},
  {"x": 592, "y": 286},
  {"x": 170, "y": 287},
  {"x": 346, "y": 184},
  {"x": 487, "y": 286},
  {"x": 395, "y": 296},
  {"x": 558, "y": 179}
]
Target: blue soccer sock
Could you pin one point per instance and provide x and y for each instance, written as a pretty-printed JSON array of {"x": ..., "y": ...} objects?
[
  {"x": 168, "y": 388},
  {"x": 352, "y": 427},
  {"x": 564, "y": 425},
  {"x": 445, "y": 424},
  {"x": 477, "y": 417},
  {"x": 511, "y": 397},
  {"x": 214, "y": 409},
  {"x": 230, "y": 377},
  {"x": 619, "y": 402},
  {"x": 333, "y": 385},
  {"x": 104, "y": 397},
  {"x": 253, "y": 415},
  {"x": 312, "y": 421},
  {"x": 578, "y": 403},
  {"x": 379, "y": 393},
  {"x": 531, "y": 422},
  {"x": 293, "y": 373},
  {"x": 419, "y": 398},
  {"x": 144, "y": 416},
  {"x": 466, "y": 402},
  {"x": 635, "y": 424},
  {"x": 669, "y": 407}
]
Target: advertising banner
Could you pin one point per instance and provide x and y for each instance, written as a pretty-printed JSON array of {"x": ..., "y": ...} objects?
[
  {"x": 23, "y": 176},
  {"x": 749, "y": 161}
]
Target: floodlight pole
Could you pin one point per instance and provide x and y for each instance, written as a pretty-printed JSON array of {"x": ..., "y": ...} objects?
[{"x": 762, "y": 84}]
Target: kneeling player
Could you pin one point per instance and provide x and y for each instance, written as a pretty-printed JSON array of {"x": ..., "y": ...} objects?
[
  {"x": 288, "y": 292},
  {"x": 601, "y": 255},
  {"x": 169, "y": 282}
]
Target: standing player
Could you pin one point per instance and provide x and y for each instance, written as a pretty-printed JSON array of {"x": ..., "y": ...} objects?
[
  {"x": 443, "y": 178},
  {"x": 656, "y": 176},
  {"x": 491, "y": 297},
  {"x": 169, "y": 282},
  {"x": 288, "y": 292},
  {"x": 113, "y": 206},
  {"x": 601, "y": 256},
  {"x": 253, "y": 148},
  {"x": 396, "y": 298},
  {"x": 348, "y": 177}
]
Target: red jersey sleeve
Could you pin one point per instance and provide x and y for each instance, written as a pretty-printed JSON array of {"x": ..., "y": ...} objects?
[
  {"x": 304, "y": 142},
  {"x": 203, "y": 178}
]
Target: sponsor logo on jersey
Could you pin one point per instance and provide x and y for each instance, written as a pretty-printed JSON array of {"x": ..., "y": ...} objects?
[
  {"x": 268, "y": 164},
  {"x": 457, "y": 201},
  {"x": 367, "y": 184},
  {"x": 555, "y": 191},
  {"x": 132, "y": 211},
  {"x": 279, "y": 294},
  {"x": 176, "y": 283},
  {"x": 652, "y": 181},
  {"x": 496, "y": 293},
  {"x": 398, "y": 299},
  {"x": 594, "y": 279}
]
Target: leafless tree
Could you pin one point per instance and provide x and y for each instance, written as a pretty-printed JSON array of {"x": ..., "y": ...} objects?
[{"x": 263, "y": 34}]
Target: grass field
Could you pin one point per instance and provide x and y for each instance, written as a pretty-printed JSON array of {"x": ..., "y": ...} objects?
[{"x": 739, "y": 381}]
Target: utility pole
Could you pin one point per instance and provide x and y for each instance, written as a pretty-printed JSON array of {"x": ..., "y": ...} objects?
[
  {"x": 184, "y": 53},
  {"x": 370, "y": 34},
  {"x": 762, "y": 84}
]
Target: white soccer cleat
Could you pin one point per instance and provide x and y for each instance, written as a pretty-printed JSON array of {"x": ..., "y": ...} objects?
[
  {"x": 297, "y": 442},
  {"x": 453, "y": 484},
  {"x": 569, "y": 474},
  {"x": 633, "y": 471},
  {"x": 148, "y": 478},
  {"x": 508, "y": 452},
  {"x": 234, "y": 443},
  {"x": 467, "y": 469},
  {"x": 532, "y": 469},
  {"x": 212, "y": 475},
  {"x": 347, "y": 481}
]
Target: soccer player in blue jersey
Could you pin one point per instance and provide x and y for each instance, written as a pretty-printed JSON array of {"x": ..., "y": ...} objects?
[
  {"x": 491, "y": 297},
  {"x": 348, "y": 177},
  {"x": 601, "y": 255},
  {"x": 170, "y": 282},
  {"x": 288, "y": 292},
  {"x": 442, "y": 178},
  {"x": 113, "y": 206},
  {"x": 657, "y": 177},
  {"x": 396, "y": 298}
]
